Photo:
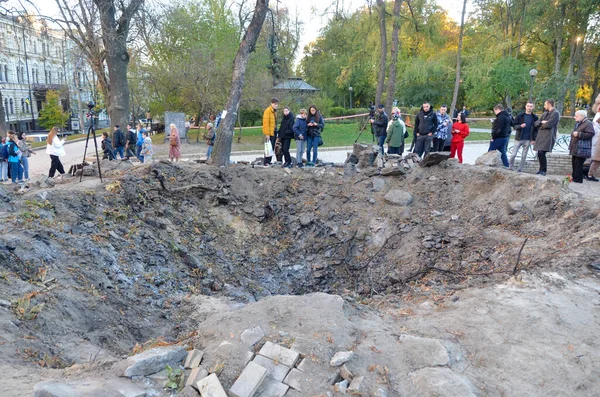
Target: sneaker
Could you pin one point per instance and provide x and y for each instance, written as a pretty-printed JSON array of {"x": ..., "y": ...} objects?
[
  {"x": 310, "y": 164},
  {"x": 542, "y": 173},
  {"x": 592, "y": 178},
  {"x": 300, "y": 165}
]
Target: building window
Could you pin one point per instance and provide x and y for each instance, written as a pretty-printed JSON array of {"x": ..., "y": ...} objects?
[
  {"x": 11, "y": 106},
  {"x": 23, "y": 105},
  {"x": 6, "y": 105},
  {"x": 6, "y": 73}
]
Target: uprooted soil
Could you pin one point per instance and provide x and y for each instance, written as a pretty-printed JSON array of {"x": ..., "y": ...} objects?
[{"x": 93, "y": 269}]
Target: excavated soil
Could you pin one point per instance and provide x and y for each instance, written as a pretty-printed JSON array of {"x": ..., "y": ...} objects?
[{"x": 90, "y": 270}]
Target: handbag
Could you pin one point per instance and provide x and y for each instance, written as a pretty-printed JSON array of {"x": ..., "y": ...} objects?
[
  {"x": 173, "y": 140},
  {"x": 405, "y": 134},
  {"x": 268, "y": 148},
  {"x": 278, "y": 147},
  {"x": 584, "y": 148}
]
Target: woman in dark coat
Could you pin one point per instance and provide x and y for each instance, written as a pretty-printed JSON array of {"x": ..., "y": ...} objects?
[
  {"x": 581, "y": 144},
  {"x": 547, "y": 126},
  {"x": 286, "y": 134},
  {"x": 315, "y": 123}
]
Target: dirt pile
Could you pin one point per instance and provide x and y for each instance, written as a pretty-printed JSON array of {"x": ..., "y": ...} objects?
[{"x": 90, "y": 270}]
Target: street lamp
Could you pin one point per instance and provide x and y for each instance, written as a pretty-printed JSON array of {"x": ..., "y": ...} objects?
[
  {"x": 532, "y": 74},
  {"x": 350, "y": 89}
]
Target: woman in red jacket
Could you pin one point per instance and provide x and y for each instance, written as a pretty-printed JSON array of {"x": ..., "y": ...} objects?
[{"x": 460, "y": 130}]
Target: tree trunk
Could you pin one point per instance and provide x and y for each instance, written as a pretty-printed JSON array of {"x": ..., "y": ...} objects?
[
  {"x": 114, "y": 37},
  {"x": 596, "y": 81},
  {"x": 559, "y": 39},
  {"x": 382, "y": 58},
  {"x": 394, "y": 57},
  {"x": 222, "y": 149},
  {"x": 458, "y": 59}
]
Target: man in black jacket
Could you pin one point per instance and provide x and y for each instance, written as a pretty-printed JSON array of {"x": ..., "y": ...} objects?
[
  {"x": 525, "y": 134},
  {"x": 501, "y": 128},
  {"x": 425, "y": 127},
  {"x": 380, "y": 122}
]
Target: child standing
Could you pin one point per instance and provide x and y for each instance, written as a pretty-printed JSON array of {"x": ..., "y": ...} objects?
[{"x": 147, "y": 150}]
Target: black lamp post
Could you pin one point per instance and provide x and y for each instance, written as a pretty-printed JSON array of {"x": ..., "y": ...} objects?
[{"x": 532, "y": 74}]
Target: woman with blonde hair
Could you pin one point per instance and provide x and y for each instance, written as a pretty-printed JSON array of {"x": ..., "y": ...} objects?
[
  {"x": 54, "y": 147},
  {"x": 174, "y": 143}
]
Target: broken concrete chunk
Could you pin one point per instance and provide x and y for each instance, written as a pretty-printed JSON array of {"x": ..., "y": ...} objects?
[
  {"x": 393, "y": 171},
  {"x": 249, "y": 380},
  {"x": 211, "y": 387},
  {"x": 125, "y": 387},
  {"x": 151, "y": 361},
  {"x": 345, "y": 373},
  {"x": 280, "y": 354},
  {"x": 188, "y": 391},
  {"x": 342, "y": 386},
  {"x": 398, "y": 197},
  {"x": 88, "y": 388},
  {"x": 514, "y": 207},
  {"x": 274, "y": 369},
  {"x": 272, "y": 388},
  {"x": 356, "y": 386},
  {"x": 433, "y": 158},
  {"x": 196, "y": 375},
  {"x": 295, "y": 379},
  {"x": 194, "y": 357},
  {"x": 249, "y": 357},
  {"x": 340, "y": 358},
  {"x": 378, "y": 184},
  {"x": 252, "y": 336},
  {"x": 440, "y": 381}
]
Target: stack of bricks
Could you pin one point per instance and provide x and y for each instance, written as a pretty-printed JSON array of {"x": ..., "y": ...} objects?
[{"x": 558, "y": 164}]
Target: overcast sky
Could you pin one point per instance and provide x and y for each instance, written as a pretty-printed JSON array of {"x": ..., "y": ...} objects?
[{"x": 310, "y": 12}]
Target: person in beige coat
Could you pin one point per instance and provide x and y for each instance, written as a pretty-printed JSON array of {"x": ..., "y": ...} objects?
[{"x": 591, "y": 176}]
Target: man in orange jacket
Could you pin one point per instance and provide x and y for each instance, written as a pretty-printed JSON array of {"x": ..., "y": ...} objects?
[{"x": 269, "y": 125}]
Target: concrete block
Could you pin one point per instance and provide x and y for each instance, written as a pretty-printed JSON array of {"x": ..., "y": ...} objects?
[
  {"x": 211, "y": 387},
  {"x": 356, "y": 386},
  {"x": 280, "y": 354},
  {"x": 249, "y": 357},
  {"x": 275, "y": 370},
  {"x": 194, "y": 357},
  {"x": 272, "y": 388},
  {"x": 151, "y": 361},
  {"x": 125, "y": 387},
  {"x": 252, "y": 336},
  {"x": 249, "y": 380},
  {"x": 88, "y": 388},
  {"x": 196, "y": 375},
  {"x": 423, "y": 352},
  {"x": 295, "y": 379}
]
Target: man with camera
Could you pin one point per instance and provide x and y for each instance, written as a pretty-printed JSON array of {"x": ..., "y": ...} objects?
[
  {"x": 426, "y": 124},
  {"x": 380, "y": 121}
]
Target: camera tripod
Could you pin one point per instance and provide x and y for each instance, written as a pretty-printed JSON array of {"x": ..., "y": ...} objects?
[
  {"x": 92, "y": 131},
  {"x": 364, "y": 127}
]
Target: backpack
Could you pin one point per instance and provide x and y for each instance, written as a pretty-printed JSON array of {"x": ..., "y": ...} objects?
[
  {"x": 13, "y": 150},
  {"x": 4, "y": 152},
  {"x": 132, "y": 137},
  {"x": 120, "y": 138},
  {"x": 173, "y": 140}
]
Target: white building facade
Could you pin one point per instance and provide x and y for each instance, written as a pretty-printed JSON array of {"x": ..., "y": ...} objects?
[{"x": 33, "y": 60}]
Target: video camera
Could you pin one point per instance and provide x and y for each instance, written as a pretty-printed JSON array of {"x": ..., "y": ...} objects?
[{"x": 90, "y": 112}]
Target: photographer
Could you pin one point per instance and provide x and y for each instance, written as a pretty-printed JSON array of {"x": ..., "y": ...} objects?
[{"x": 380, "y": 122}]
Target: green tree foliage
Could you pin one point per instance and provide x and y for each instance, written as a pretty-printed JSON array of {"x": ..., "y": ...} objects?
[{"x": 52, "y": 114}]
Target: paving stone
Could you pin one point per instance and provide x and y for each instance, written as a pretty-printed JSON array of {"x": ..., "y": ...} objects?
[
  {"x": 345, "y": 373},
  {"x": 272, "y": 388},
  {"x": 304, "y": 346},
  {"x": 378, "y": 184},
  {"x": 440, "y": 381},
  {"x": 249, "y": 380},
  {"x": 196, "y": 375},
  {"x": 279, "y": 353},
  {"x": 252, "y": 336},
  {"x": 423, "y": 352},
  {"x": 342, "y": 386},
  {"x": 340, "y": 358},
  {"x": 295, "y": 379},
  {"x": 151, "y": 361},
  {"x": 356, "y": 386},
  {"x": 194, "y": 357},
  {"x": 249, "y": 357},
  {"x": 211, "y": 387},
  {"x": 275, "y": 370}
]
